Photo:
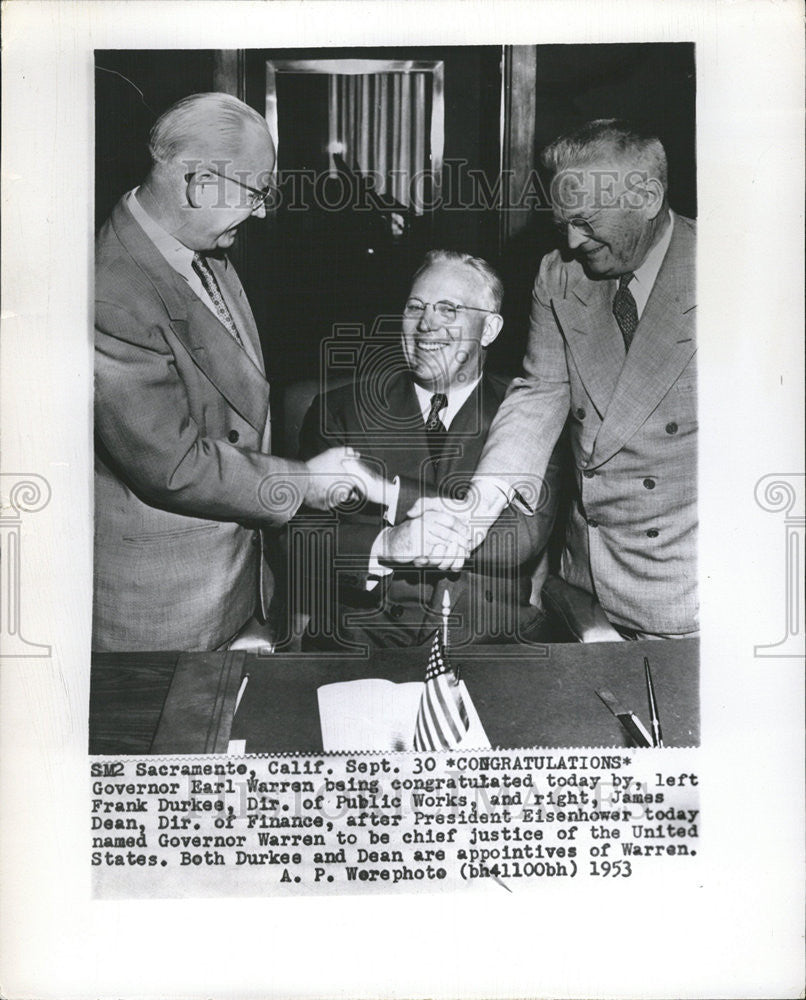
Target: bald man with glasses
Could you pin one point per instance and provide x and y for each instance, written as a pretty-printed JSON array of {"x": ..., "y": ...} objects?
[{"x": 185, "y": 482}]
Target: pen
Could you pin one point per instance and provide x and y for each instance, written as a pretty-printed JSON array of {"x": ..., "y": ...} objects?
[
  {"x": 241, "y": 690},
  {"x": 657, "y": 736},
  {"x": 628, "y": 719}
]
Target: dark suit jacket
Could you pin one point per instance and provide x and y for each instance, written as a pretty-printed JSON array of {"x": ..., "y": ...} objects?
[
  {"x": 632, "y": 533},
  {"x": 183, "y": 475},
  {"x": 490, "y": 597}
]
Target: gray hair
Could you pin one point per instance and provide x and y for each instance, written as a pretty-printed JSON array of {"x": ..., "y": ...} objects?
[
  {"x": 608, "y": 140},
  {"x": 213, "y": 123},
  {"x": 486, "y": 272}
]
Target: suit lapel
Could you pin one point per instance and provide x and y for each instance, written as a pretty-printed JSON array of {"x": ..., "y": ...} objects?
[
  {"x": 409, "y": 407},
  {"x": 592, "y": 335},
  {"x": 212, "y": 348},
  {"x": 468, "y": 428},
  {"x": 465, "y": 436},
  {"x": 403, "y": 402},
  {"x": 239, "y": 307},
  {"x": 224, "y": 362},
  {"x": 397, "y": 434},
  {"x": 663, "y": 345}
]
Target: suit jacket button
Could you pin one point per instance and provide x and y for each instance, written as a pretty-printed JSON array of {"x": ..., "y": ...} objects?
[
  {"x": 649, "y": 484},
  {"x": 671, "y": 428},
  {"x": 233, "y": 436},
  {"x": 396, "y": 611},
  {"x": 593, "y": 523},
  {"x": 588, "y": 473},
  {"x": 488, "y": 596},
  {"x": 580, "y": 413},
  {"x": 652, "y": 533}
]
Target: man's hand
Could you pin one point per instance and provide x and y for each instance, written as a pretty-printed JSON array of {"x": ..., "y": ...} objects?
[
  {"x": 368, "y": 483},
  {"x": 338, "y": 475},
  {"x": 447, "y": 530},
  {"x": 449, "y": 520},
  {"x": 435, "y": 538},
  {"x": 330, "y": 480}
]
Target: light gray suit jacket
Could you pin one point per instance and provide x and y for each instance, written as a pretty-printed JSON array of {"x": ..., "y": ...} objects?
[
  {"x": 184, "y": 480},
  {"x": 631, "y": 536}
]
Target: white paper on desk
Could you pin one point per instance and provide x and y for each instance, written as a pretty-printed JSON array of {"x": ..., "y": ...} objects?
[{"x": 375, "y": 714}]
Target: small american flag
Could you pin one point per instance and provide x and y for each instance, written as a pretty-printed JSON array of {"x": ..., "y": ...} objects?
[{"x": 442, "y": 718}]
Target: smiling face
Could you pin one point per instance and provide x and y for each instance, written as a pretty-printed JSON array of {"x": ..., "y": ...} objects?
[
  {"x": 447, "y": 354},
  {"x": 220, "y": 199},
  {"x": 608, "y": 215}
]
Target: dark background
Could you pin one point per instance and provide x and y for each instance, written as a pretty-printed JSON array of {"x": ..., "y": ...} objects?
[{"x": 305, "y": 273}]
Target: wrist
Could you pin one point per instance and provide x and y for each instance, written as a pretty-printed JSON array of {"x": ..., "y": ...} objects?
[
  {"x": 377, "y": 553},
  {"x": 391, "y": 498},
  {"x": 382, "y": 547},
  {"x": 487, "y": 498}
]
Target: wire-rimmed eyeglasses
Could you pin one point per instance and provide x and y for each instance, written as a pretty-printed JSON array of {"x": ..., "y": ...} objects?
[
  {"x": 255, "y": 199},
  {"x": 415, "y": 308},
  {"x": 581, "y": 226}
]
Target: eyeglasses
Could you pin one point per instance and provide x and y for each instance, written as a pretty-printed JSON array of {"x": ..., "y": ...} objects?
[
  {"x": 415, "y": 308},
  {"x": 582, "y": 226},
  {"x": 254, "y": 199}
]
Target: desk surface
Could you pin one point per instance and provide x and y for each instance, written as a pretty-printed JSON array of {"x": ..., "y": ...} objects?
[{"x": 525, "y": 697}]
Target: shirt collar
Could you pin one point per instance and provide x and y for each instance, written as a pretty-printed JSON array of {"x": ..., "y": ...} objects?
[
  {"x": 456, "y": 400},
  {"x": 646, "y": 275},
  {"x": 177, "y": 254}
]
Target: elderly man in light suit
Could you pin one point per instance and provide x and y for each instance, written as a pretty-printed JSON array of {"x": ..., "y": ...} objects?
[
  {"x": 612, "y": 351},
  {"x": 185, "y": 481}
]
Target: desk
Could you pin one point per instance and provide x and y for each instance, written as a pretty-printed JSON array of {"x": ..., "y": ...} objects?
[{"x": 523, "y": 698}]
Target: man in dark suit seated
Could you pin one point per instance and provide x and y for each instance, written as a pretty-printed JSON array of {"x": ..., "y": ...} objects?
[{"x": 421, "y": 420}]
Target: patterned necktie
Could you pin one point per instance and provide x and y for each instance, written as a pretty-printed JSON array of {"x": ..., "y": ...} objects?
[
  {"x": 625, "y": 309},
  {"x": 208, "y": 280},
  {"x": 434, "y": 428}
]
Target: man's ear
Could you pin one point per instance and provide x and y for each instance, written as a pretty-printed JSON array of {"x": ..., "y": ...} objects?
[
  {"x": 654, "y": 195},
  {"x": 492, "y": 327},
  {"x": 200, "y": 188}
]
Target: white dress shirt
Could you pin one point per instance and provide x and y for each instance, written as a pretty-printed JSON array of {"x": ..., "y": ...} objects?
[
  {"x": 175, "y": 253},
  {"x": 456, "y": 400}
]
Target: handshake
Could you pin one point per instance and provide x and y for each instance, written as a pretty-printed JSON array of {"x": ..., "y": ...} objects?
[
  {"x": 434, "y": 535},
  {"x": 338, "y": 476},
  {"x": 438, "y": 534}
]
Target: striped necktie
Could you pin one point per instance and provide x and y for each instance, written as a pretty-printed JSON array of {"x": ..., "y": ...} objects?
[
  {"x": 435, "y": 430},
  {"x": 625, "y": 309},
  {"x": 208, "y": 280}
]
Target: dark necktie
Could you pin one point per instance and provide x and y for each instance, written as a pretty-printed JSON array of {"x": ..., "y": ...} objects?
[
  {"x": 208, "y": 280},
  {"x": 434, "y": 428},
  {"x": 625, "y": 309}
]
